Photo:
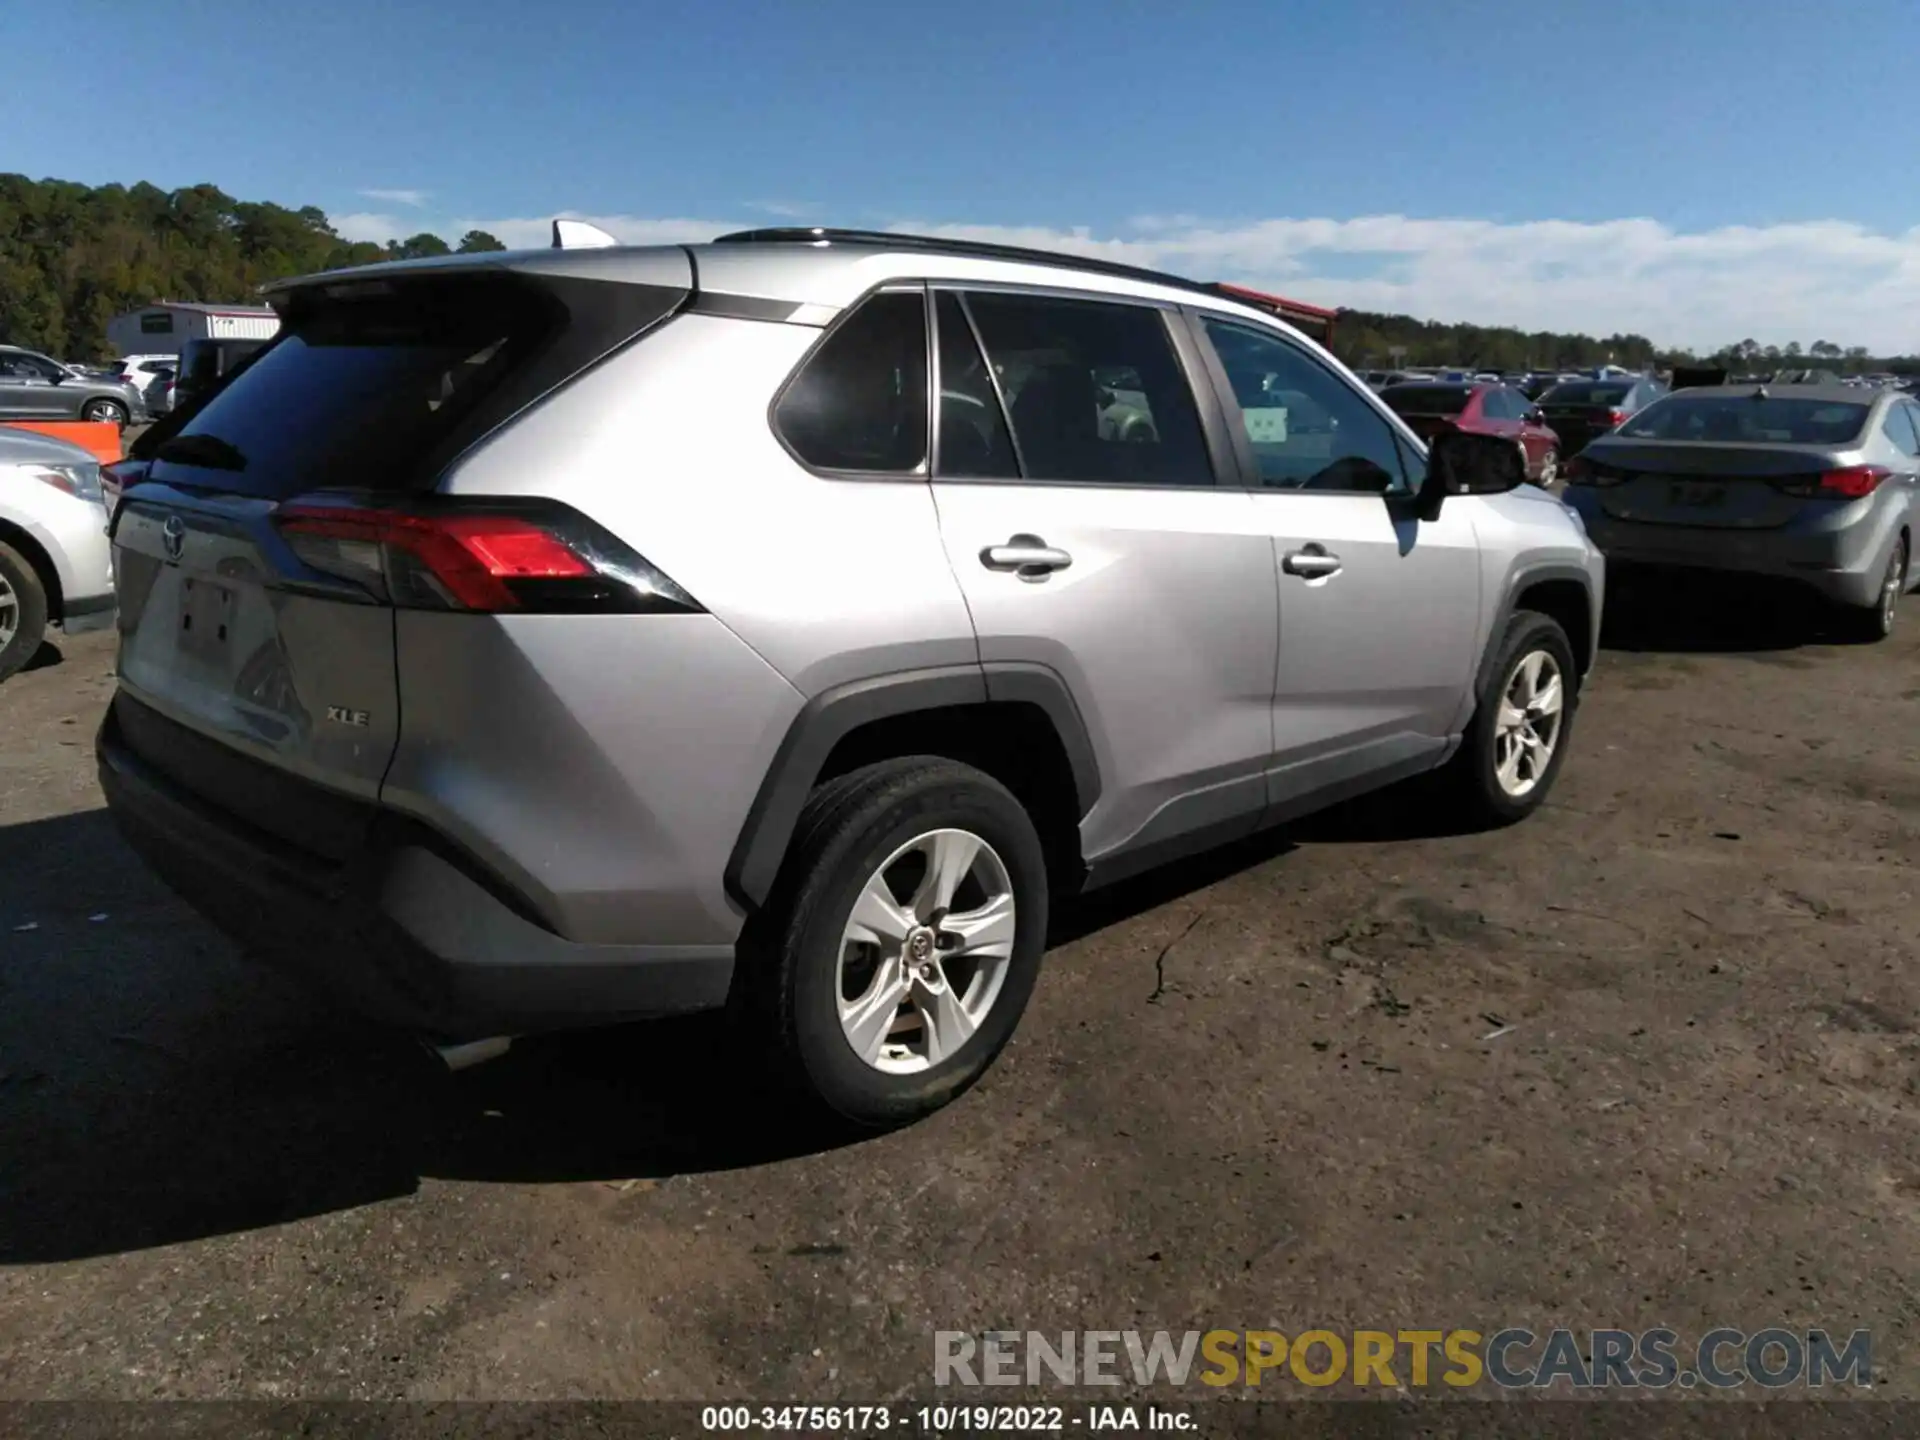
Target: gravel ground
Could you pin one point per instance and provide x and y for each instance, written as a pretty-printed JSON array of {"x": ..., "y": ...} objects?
[{"x": 1264, "y": 1089}]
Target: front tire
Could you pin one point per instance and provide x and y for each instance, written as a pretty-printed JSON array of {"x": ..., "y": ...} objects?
[
  {"x": 1549, "y": 469},
  {"x": 1514, "y": 747},
  {"x": 902, "y": 942},
  {"x": 23, "y": 610}
]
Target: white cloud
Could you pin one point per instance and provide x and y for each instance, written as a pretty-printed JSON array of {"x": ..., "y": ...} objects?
[
  {"x": 1819, "y": 280},
  {"x": 787, "y": 209},
  {"x": 365, "y": 225},
  {"x": 415, "y": 198}
]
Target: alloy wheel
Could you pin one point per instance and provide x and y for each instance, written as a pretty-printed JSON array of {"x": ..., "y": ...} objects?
[
  {"x": 1527, "y": 728},
  {"x": 1891, "y": 586},
  {"x": 925, "y": 952},
  {"x": 9, "y": 613}
]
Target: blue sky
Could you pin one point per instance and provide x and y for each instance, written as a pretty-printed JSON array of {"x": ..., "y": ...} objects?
[{"x": 1696, "y": 170}]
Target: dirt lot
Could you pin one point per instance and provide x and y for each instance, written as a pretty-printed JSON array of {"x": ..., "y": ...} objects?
[{"x": 1258, "y": 1091}]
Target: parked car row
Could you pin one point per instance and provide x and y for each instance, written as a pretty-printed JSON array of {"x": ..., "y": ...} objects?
[{"x": 1556, "y": 424}]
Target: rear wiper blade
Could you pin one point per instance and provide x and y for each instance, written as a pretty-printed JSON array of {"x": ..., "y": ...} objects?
[{"x": 209, "y": 451}]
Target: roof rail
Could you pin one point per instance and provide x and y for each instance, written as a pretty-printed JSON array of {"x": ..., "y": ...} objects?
[{"x": 980, "y": 249}]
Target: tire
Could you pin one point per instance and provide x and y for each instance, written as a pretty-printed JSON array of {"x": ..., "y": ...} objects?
[
  {"x": 1474, "y": 778},
  {"x": 798, "y": 969},
  {"x": 1870, "y": 623},
  {"x": 1549, "y": 468},
  {"x": 104, "y": 412},
  {"x": 23, "y": 610}
]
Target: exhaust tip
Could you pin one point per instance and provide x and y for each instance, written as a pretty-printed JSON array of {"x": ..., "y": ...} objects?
[{"x": 473, "y": 1052}]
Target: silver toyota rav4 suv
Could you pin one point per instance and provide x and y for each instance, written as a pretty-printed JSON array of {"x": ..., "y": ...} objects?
[{"x": 558, "y": 637}]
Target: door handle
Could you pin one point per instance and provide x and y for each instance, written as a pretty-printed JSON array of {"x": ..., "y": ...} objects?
[
  {"x": 1311, "y": 561},
  {"x": 1028, "y": 556}
]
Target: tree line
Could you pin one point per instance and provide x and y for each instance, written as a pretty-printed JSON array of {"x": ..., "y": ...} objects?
[
  {"x": 74, "y": 256},
  {"x": 1367, "y": 340}
]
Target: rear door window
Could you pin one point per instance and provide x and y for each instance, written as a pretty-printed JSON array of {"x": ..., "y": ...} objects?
[
  {"x": 1094, "y": 390},
  {"x": 975, "y": 443},
  {"x": 859, "y": 402}
]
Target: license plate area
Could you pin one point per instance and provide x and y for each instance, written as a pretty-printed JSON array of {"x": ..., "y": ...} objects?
[
  {"x": 1696, "y": 495},
  {"x": 206, "y": 618}
]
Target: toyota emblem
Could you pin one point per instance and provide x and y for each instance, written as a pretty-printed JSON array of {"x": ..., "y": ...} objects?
[{"x": 173, "y": 535}]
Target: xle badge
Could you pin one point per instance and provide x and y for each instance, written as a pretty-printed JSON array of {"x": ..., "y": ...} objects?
[{"x": 341, "y": 715}]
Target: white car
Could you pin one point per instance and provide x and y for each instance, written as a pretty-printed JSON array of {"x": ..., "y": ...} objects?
[
  {"x": 56, "y": 566},
  {"x": 152, "y": 376}
]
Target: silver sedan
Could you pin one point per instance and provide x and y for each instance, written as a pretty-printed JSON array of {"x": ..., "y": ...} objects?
[{"x": 1813, "y": 483}]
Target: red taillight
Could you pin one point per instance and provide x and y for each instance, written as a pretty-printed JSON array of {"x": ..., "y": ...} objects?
[
  {"x": 1613, "y": 418},
  {"x": 1582, "y": 471},
  {"x": 471, "y": 556},
  {"x": 1854, "y": 481},
  {"x": 491, "y": 558}
]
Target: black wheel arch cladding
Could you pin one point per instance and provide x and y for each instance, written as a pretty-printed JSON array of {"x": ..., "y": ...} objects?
[{"x": 835, "y": 713}]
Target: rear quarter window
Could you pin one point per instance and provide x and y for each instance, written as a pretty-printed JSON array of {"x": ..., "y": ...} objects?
[{"x": 859, "y": 401}]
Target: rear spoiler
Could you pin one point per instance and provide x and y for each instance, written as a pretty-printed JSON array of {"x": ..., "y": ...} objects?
[{"x": 1686, "y": 379}]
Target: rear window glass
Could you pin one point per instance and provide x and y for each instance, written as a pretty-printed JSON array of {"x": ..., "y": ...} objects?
[
  {"x": 1743, "y": 419},
  {"x": 1583, "y": 393},
  {"x": 356, "y": 391},
  {"x": 1426, "y": 399}
]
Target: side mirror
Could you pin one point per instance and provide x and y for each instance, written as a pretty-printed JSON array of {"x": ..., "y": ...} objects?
[
  {"x": 1460, "y": 463},
  {"x": 1537, "y": 416}
]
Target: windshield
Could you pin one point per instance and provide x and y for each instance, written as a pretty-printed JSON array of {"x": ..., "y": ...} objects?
[
  {"x": 1747, "y": 420},
  {"x": 1586, "y": 393},
  {"x": 1426, "y": 399}
]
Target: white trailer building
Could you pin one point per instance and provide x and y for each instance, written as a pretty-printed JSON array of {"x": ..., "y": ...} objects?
[{"x": 165, "y": 326}]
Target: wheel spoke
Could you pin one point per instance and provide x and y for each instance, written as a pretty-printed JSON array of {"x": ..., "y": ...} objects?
[
  {"x": 987, "y": 931},
  {"x": 1510, "y": 717},
  {"x": 1547, "y": 699},
  {"x": 948, "y": 1025},
  {"x": 1507, "y": 760},
  {"x": 878, "y": 918},
  {"x": 951, "y": 858},
  {"x": 867, "y": 1020},
  {"x": 1529, "y": 676}
]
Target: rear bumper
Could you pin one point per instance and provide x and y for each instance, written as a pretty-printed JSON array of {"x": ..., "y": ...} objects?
[
  {"x": 397, "y": 931},
  {"x": 1845, "y": 565}
]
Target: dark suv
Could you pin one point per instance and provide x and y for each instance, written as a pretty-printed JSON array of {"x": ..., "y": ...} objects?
[
  {"x": 1579, "y": 411},
  {"x": 205, "y": 363}
]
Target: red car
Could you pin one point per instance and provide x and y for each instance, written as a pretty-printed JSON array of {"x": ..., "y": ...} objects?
[{"x": 1430, "y": 407}]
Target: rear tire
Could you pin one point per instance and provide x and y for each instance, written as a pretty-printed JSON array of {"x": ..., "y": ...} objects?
[
  {"x": 23, "y": 610},
  {"x": 1510, "y": 755},
  {"x": 816, "y": 977},
  {"x": 1871, "y": 623},
  {"x": 1549, "y": 469},
  {"x": 104, "y": 412}
]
